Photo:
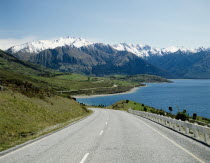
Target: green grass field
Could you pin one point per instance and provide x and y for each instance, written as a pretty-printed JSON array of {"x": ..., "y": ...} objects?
[{"x": 78, "y": 84}]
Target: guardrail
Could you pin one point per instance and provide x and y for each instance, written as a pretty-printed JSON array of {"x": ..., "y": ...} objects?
[{"x": 201, "y": 133}]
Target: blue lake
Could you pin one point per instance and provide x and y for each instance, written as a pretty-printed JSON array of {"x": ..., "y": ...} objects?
[{"x": 192, "y": 95}]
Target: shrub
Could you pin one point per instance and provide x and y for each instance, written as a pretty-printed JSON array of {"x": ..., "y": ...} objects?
[
  {"x": 182, "y": 115},
  {"x": 101, "y": 106},
  {"x": 194, "y": 116},
  {"x": 160, "y": 112}
]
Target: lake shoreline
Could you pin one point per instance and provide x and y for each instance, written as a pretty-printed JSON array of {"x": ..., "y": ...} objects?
[
  {"x": 178, "y": 95},
  {"x": 132, "y": 90}
]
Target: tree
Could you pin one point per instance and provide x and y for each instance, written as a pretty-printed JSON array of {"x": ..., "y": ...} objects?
[
  {"x": 170, "y": 108},
  {"x": 194, "y": 116},
  {"x": 145, "y": 109}
]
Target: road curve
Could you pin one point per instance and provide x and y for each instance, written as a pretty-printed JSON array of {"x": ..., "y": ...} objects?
[{"x": 112, "y": 136}]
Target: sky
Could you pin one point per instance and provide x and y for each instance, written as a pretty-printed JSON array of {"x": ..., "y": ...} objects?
[{"x": 158, "y": 23}]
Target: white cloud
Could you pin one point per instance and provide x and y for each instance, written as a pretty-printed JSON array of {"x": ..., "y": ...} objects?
[{"x": 9, "y": 42}]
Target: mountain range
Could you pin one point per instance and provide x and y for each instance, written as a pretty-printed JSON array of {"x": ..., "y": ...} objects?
[{"x": 81, "y": 56}]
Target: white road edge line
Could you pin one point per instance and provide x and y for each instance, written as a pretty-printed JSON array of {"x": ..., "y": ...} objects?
[
  {"x": 84, "y": 158},
  {"x": 101, "y": 132},
  {"x": 195, "y": 157}
]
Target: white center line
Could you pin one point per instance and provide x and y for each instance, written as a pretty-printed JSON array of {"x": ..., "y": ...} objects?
[
  {"x": 84, "y": 158},
  {"x": 101, "y": 132}
]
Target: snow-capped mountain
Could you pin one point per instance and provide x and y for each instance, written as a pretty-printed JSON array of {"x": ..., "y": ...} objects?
[
  {"x": 81, "y": 56},
  {"x": 173, "y": 49},
  {"x": 138, "y": 49},
  {"x": 146, "y": 50},
  {"x": 143, "y": 51},
  {"x": 38, "y": 46}
]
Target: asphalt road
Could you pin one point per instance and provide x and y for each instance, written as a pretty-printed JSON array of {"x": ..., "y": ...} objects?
[{"x": 112, "y": 136}]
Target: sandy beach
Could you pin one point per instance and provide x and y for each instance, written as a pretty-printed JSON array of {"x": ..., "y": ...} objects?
[{"x": 92, "y": 96}]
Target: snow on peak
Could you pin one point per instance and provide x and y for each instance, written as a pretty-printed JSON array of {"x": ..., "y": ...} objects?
[
  {"x": 38, "y": 46},
  {"x": 145, "y": 50},
  {"x": 138, "y": 49},
  {"x": 202, "y": 49},
  {"x": 173, "y": 49}
]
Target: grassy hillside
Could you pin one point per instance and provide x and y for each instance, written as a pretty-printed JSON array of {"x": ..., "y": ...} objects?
[
  {"x": 127, "y": 104},
  {"x": 30, "y": 107},
  {"x": 23, "y": 118},
  {"x": 10, "y": 63}
]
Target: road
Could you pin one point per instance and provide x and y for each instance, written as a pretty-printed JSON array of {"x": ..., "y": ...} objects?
[{"x": 112, "y": 136}]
